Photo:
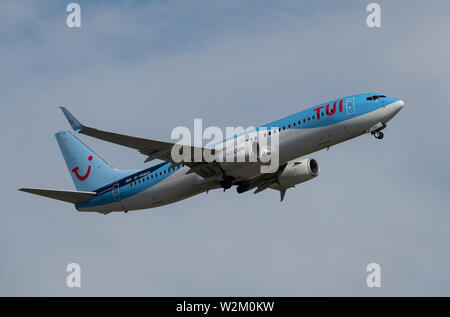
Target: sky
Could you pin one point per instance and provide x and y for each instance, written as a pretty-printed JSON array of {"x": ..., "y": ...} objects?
[{"x": 145, "y": 67}]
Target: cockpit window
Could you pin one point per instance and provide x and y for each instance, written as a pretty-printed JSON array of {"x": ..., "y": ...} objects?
[{"x": 375, "y": 97}]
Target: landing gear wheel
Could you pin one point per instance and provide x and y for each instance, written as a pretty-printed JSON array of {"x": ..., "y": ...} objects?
[{"x": 379, "y": 135}]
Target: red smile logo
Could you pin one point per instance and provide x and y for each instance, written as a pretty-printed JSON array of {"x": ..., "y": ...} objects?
[{"x": 82, "y": 178}]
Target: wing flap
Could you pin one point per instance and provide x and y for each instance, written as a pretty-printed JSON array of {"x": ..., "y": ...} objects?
[{"x": 70, "y": 196}]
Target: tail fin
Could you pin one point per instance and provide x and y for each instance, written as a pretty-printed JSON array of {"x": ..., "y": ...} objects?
[{"x": 88, "y": 170}]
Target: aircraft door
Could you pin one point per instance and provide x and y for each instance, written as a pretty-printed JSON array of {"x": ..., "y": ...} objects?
[
  {"x": 350, "y": 106},
  {"x": 115, "y": 192}
]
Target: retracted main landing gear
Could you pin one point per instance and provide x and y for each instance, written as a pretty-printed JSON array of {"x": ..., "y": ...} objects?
[
  {"x": 226, "y": 182},
  {"x": 376, "y": 130}
]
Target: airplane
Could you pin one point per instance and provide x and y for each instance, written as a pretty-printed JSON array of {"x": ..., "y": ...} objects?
[{"x": 102, "y": 188}]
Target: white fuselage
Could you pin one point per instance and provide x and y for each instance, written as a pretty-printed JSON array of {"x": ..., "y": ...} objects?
[{"x": 293, "y": 143}]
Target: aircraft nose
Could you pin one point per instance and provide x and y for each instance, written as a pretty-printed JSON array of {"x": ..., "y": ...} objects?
[
  {"x": 397, "y": 105},
  {"x": 394, "y": 107}
]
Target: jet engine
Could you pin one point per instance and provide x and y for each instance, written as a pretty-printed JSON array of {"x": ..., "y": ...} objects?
[{"x": 297, "y": 172}]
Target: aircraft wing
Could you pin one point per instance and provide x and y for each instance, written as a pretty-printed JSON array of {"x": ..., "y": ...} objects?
[
  {"x": 70, "y": 196},
  {"x": 266, "y": 181},
  {"x": 152, "y": 148}
]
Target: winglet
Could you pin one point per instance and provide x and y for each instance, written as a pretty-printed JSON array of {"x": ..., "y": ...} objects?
[{"x": 75, "y": 124}]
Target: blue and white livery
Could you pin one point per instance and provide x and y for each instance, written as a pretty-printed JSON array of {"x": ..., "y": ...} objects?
[{"x": 103, "y": 188}]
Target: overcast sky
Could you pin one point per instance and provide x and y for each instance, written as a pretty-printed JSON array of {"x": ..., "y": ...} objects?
[{"x": 143, "y": 68}]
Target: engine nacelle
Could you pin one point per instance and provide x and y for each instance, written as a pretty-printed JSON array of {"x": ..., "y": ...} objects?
[{"x": 298, "y": 172}]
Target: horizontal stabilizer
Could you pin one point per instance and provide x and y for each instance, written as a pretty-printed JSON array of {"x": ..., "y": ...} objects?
[{"x": 70, "y": 196}]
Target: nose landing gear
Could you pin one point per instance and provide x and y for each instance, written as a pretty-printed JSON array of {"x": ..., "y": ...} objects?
[
  {"x": 376, "y": 130},
  {"x": 379, "y": 135}
]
